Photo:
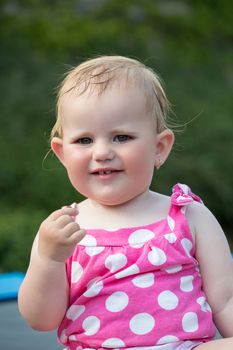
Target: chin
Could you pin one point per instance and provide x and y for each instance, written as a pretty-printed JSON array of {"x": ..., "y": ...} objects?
[{"x": 109, "y": 203}]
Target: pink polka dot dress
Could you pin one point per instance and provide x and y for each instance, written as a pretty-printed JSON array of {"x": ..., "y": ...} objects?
[{"x": 138, "y": 287}]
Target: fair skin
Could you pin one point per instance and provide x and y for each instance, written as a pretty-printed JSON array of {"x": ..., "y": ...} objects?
[{"x": 107, "y": 140}]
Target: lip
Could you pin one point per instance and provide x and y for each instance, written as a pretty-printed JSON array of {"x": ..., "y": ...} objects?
[{"x": 101, "y": 171}]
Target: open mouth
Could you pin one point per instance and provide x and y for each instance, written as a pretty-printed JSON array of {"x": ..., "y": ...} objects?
[{"x": 105, "y": 172}]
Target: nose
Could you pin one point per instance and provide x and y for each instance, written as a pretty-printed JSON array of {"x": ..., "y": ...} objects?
[{"x": 102, "y": 151}]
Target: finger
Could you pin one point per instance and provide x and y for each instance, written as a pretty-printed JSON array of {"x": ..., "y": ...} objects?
[
  {"x": 63, "y": 221},
  {"x": 77, "y": 236},
  {"x": 63, "y": 211},
  {"x": 71, "y": 228},
  {"x": 70, "y": 210},
  {"x": 74, "y": 205}
]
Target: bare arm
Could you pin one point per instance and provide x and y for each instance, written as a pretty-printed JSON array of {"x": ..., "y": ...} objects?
[
  {"x": 43, "y": 295},
  {"x": 216, "y": 266}
]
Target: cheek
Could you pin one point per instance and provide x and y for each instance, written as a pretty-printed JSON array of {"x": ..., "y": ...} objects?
[
  {"x": 76, "y": 166},
  {"x": 77, "y": 169},
  {"x": 74, "y": 159},
  {"x": 140, "y": 158}
]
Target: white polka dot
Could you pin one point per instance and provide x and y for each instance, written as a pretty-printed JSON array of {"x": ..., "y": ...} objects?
[
  {"x": 187, "y": 245},
  {"x": 144, "y": 281},
  {"x": 204, "y": 305},
  {"x": 93, "y": 287},
  {"x": 186, "y": 283},
  {"x": 63, "y": 336},
  {"x": 170, "y": 237},
  {"x": 115, "y": 262},
  {"x": 182, "y": 199},
  {"x": 131, "y": 270},
  {"x": 157, "y": 256},
  {"x": 139, "y": 237},
  {"x": 72, "y": 337},
  {"x": 167, "y": 346},
  {"x": 76, "y": 271},
  {"x": 184, "y": 188},
  {"x": 142, "y": 323},
  {"x": 113, "y": 343},
  {"x": 190, "y": 322},
  {"x": 91, "y": 245},
  {"x": 88, "y": 241},
  {"x": 183, "y": 210},
  {"x": 75, "y": 311},
  {"x": 91, "y": 325},
  {"x": 168, "y": 300},
  {"x": 91, "y": 251},
  {"x": 167, "y": 339},
  {"x": 171, "y": 223},
  {"x": 173, "y": 269},
  {"x": 117, "y": 302}
]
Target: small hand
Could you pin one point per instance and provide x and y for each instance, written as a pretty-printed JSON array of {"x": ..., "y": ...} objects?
[{"x": 59, "y": 234}]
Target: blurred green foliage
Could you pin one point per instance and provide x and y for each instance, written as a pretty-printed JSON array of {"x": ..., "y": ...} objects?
[
  {"x": 17, "y": 233},
  {"x": 189, "y": 43}
]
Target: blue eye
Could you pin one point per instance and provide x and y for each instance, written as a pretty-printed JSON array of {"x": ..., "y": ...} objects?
[
  {"x": 84, "y": 141},
  {"x": 122, "y": 138}
]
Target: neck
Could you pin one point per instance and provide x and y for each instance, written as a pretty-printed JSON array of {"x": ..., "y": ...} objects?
[
  {"x": 137, "y": 202},
  {"x": 141, "y": 210}
]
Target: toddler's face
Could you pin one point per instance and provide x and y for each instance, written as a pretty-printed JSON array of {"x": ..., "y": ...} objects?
[{"x": 109, "y": 145}]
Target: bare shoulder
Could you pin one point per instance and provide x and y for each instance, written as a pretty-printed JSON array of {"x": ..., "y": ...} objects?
[
  {"x": 200, "y": 219},
  {"x": 212, "y": 253},
  {"x": 210, "y": 239},
  {"x": 196, "y": 209}
]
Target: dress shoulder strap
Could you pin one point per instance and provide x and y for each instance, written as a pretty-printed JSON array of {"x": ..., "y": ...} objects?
[
  {"x": 182, "y": 195},
  {"x": 180, "y": 198}
]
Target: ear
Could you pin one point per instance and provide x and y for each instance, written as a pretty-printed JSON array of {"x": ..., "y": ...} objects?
[
  {"x": 164, "y": 143},
  {"x": 57, "y": 147}
]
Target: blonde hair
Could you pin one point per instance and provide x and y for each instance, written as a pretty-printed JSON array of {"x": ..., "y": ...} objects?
[{"x": 99, "y": 73}]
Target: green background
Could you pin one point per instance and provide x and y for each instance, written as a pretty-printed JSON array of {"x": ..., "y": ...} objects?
[{"x": 189, "y": 43}]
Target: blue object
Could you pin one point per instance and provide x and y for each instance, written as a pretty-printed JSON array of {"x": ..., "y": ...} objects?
[{"x": 9, "y": 285}]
